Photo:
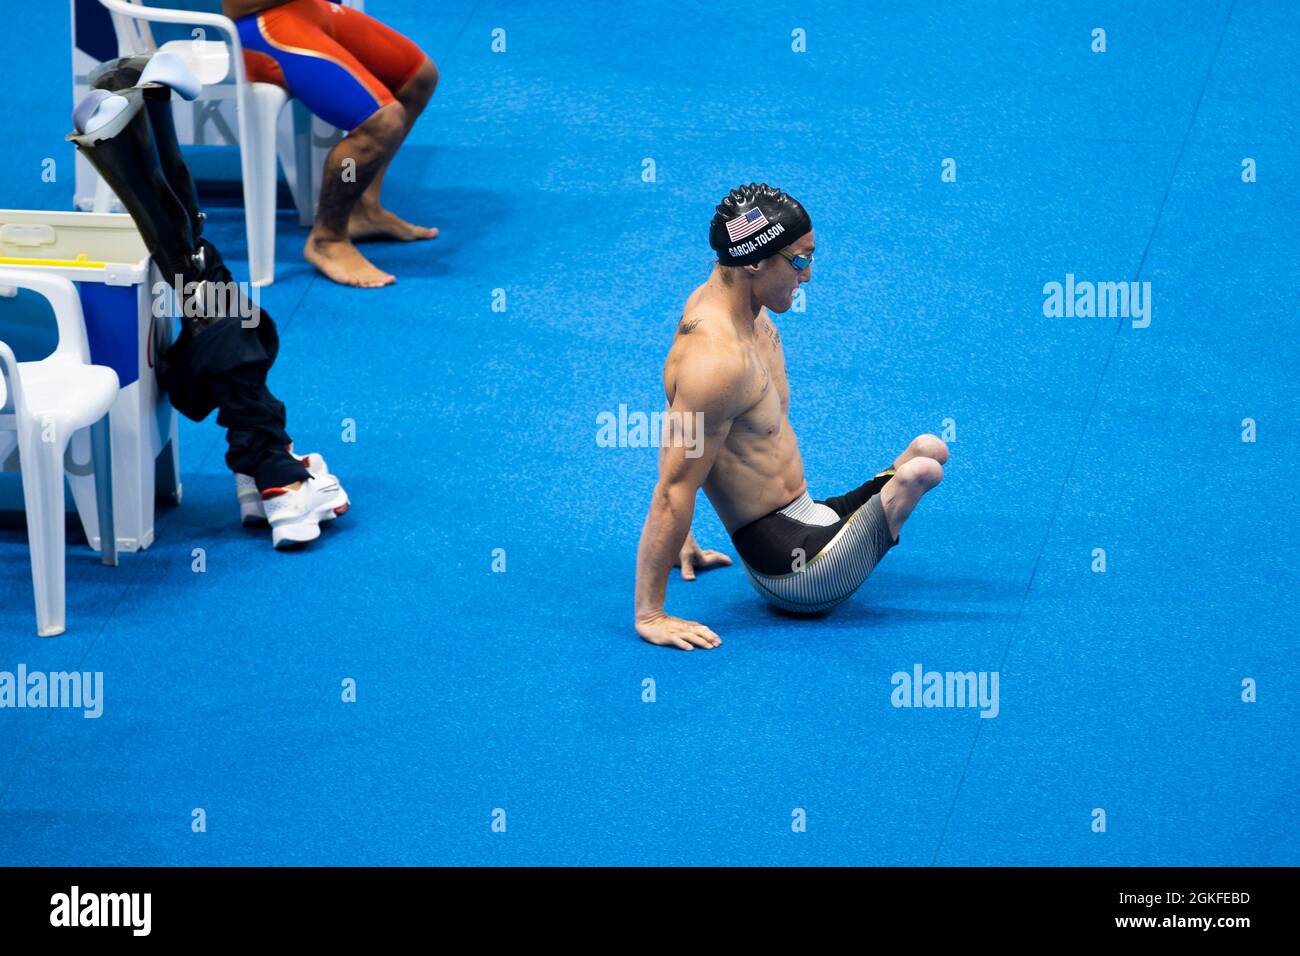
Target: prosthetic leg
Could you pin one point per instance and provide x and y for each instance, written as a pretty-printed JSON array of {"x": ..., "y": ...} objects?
[
  {"x": 227, "y": 344},
  {"x": 122, "y": 74},
  {"x": 122, "y": 151}
]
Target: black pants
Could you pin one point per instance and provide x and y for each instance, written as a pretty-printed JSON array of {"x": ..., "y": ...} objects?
[{"x": 222, "y": 364}]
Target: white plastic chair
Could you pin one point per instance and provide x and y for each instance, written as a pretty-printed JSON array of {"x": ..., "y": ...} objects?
[
  {"x": 45, "y": 402},
  {"x": 257, "y": 109}
]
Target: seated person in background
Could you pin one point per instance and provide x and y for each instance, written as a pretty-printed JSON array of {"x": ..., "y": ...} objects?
[{"x": 358, "y": 75}]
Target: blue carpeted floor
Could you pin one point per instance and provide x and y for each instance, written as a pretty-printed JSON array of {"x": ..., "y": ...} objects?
[{"x": 475, "y": 430}]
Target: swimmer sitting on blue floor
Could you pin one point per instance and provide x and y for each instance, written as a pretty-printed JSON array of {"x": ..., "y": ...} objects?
[{"x": 726, "y": 370}]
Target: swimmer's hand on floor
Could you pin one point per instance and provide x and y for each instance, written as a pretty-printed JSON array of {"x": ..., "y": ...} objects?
[
  {"x": 668, "y": 631},
  {"x": 694, "y": 557}
]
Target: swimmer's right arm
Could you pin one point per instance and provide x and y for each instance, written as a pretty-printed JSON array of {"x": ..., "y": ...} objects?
[{"x": 708, "y": 387}]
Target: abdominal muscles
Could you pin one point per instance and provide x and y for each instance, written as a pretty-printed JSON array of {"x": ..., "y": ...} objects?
[{"x": 755, "y": 473}]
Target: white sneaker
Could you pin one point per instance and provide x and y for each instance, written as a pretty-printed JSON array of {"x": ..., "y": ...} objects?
[
  {"x": 252, "y": 514},
  {"x": 295, "y": 516}
]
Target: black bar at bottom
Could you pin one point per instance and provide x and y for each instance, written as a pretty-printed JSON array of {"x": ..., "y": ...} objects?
[{"x": 218, "y": 904}]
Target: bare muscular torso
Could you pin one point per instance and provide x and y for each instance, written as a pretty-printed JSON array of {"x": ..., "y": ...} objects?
[
  {"x": 243, "y": 8},
  {"x": 759, "y": 468}
]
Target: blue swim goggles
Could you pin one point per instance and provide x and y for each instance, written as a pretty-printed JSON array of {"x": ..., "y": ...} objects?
[{"x": 800, "y": 263}]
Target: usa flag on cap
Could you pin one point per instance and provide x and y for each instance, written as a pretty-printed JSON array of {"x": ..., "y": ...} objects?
[{"x": 745, "y": 225}]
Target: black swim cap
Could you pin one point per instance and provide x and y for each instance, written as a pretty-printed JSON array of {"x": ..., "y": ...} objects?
[{"x": 754, "y": 222}]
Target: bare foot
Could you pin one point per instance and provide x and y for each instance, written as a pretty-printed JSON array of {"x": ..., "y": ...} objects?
[
  {"x": 340, "y": 261},
  {"x": 379, "y": 223}
]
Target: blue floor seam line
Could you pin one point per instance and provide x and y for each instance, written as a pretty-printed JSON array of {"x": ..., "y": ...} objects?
[
  {"x": 293, "y": 312},
  {"x": 1083, "y": 431},
  {"x": 1183, "y": 148},
  {"x": 446, "y": 58}
]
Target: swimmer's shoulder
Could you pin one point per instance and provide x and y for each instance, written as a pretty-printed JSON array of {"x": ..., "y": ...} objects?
[
  {"x": 697, "y": 310},
  {"x": 703, "y": 330},
  {"x": 706, "y": 362}
]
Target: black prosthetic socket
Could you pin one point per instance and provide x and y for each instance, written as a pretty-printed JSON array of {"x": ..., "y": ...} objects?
[
  {"x": 123, "y": 74},
  {"x": 123, "y": 153},
  {"x": 157, "y": 100},
  {"x": 120, "y": 74}
]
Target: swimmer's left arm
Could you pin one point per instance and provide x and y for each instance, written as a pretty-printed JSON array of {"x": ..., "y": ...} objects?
[
  {"x": 692, "y": 556},
  {"x": 710, "y": 391}
]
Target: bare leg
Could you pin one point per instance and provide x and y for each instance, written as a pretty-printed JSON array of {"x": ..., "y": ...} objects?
[
  {"x": 919, "y": 469},
  {"x": 349, "y": 169},
  {"x": 370, "y": 220}
]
